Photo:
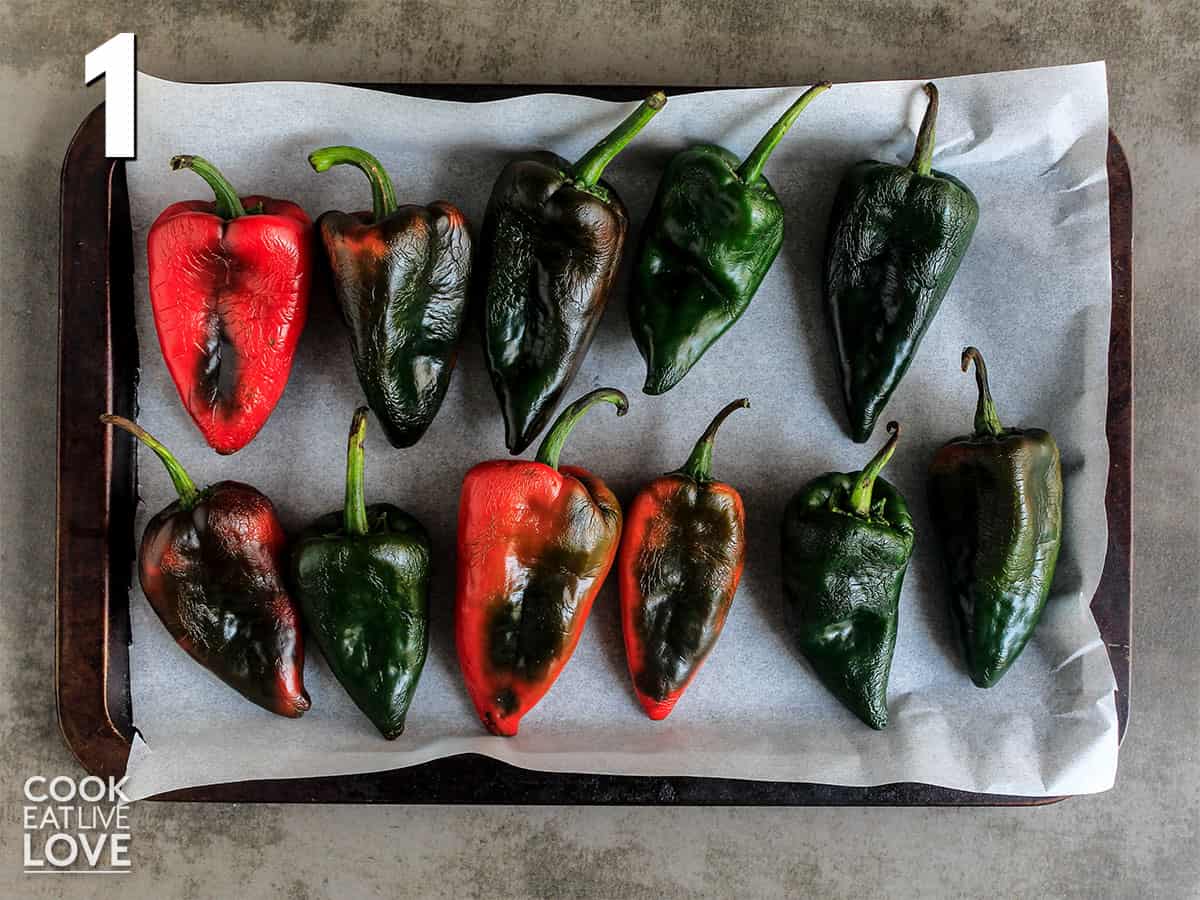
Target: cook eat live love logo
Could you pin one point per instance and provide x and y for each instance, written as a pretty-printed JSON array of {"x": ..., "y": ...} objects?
[{"x": 74, "y": 827}]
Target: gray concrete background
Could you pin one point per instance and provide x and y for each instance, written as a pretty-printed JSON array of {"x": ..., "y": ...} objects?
[{"x": 1143, "y": 838}]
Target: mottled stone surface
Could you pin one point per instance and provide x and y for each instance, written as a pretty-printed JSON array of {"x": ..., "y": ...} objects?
[{"x": 1143, "y": 838}]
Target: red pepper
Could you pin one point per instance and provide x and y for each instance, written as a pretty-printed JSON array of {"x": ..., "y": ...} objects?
[
  {"x": 534, "y": 546},
  {"x": 229, "y": 284}
]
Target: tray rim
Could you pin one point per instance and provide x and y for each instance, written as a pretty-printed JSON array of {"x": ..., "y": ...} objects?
[{"x": 91, "y": 601}]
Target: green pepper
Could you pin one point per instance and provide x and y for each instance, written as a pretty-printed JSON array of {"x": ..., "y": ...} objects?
[
  {"x": 400, "y": 275},
  {"x": 551, "y": 245},
  {"x": 362, "y": 575},
  {"x": 896, "y": 237},
  {"x": 847, "y": 539},
  {"x": 996, "y": 501},
  {"x": 714, "y": 230}
]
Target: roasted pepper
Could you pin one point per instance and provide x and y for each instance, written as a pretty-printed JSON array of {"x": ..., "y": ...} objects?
[
  {"x": 362, "y": 576},
  {"x": 681, "y": 558},
  {"x": 400, "y": 275},
  {"x": 535, "y": 543},
  {"x": 896, "y": 237},
  {"x": 847, "y": 539},
  {"x": 551, "y": 243},
  {"x": 229, "y": 284},
  {"x": 714, "y": 230},
  {"x": 211, "y": 565},
  {"x": 996, "y": 501}
]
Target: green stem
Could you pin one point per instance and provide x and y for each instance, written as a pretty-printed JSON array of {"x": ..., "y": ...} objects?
[
  {"x": 699, "y": 465},
  {"x": 922, "y": 161},
  {"x": 355, "y": 511},
  {"x": 383, "y": 194},
  {"x": 752, "y": 165},
  {"x": 986, "y": 419},
  {"x": 552, "y": 446},
  {"x": 229, "y": 205},
  {"x": 860, "y": 494},
  {"x": 184, "y": 486},
  {"x": 591, "y": 165}
]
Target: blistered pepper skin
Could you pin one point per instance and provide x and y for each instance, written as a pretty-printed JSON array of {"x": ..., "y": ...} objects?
[{"x": 214, "y": 575}]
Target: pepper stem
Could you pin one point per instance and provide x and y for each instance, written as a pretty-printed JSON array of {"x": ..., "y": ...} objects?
[
  {"x": 986, "y": 419},
  {"x": 229, "y": 205},
  {"x": 860, "y": 494},
  {"x": 591, "y": 165},
  {"x": 699, "y": 465},
  {"x": 383, "y": 194},
  {"x": 184, "y": 486},
  {"x": 922, "y": 161},
  {"x": 355, "y": 512},
  {"x": 551, "y": 447},
  {"x": 752, "y": 165}
]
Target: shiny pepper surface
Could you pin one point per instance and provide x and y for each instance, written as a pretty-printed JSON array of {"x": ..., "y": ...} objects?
[
  {"x": 896, "y": 237},
  {"x": 211, "y": 565},
  {"x": 229, "y": 287},
  {"x": 551, "y": 244},
  {"x": 711, "y": 237},
  {"x": 401, "y": 275},
  {"x": 995, "y": 497},
  {"x": 681, "y": 559},
  {"x": 847, "y": 540},
  {"x": 535, "y": 543}
]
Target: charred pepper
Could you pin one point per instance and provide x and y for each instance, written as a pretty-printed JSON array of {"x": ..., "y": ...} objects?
[
  {"x": 847, "y": 539},
  {"x": 362, "y": 576},
  {"x": 211, "y": 565},
  {"x": 229, "y": 285},
  {"x": 681, "y": 558},
  {"x": 535, "y": 543},
  {"x": 714, "y": 230},
  {"x": 996, "y": 501},
  {"x": 551, "y": 244},
  {"x": 896, "y": 237},
  {"x": 400, "y": 274}
]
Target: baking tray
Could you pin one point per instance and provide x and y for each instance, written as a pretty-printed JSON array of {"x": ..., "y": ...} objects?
[{"x": 97, "y": 498}]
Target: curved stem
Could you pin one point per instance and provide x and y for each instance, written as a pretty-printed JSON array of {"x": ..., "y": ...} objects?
[
  {"x": 552, "y": 446},
  {"x": 184, "y": 486},
  {"x": 229, "y": 205},
  {"x": 922, "y": 161},
  {"x": 591, "y": 165},
  {"x": 699, "y": 465},
  {"x": 860, "y": 494},
  {"x": 383, "y": 194},
  {"x": 986, "y": 419},
  {"x": 355, "y": 511},
  {"x": 752, "y": 165}
]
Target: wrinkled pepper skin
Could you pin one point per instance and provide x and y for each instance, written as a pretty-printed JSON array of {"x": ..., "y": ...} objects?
[
  {"x": 995, "y": 497},
  {"x": 535, "y": 544},
  {"x": 845, "y": 553},
  {"x": 229, "y": 287},
  {"x": 401, "y": 276},
  {"x": 711, "y": 237},
  {"x": 212, "y": 566},
  {"x": 681, "y": 558},
  {"x": 550, "y": 247},
  {"x": 896, "y": 237},
  {"x": 362, "y": 577}
]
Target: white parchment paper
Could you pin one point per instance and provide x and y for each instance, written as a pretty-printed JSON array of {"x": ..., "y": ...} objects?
[{"x": 1033, "y": 293}]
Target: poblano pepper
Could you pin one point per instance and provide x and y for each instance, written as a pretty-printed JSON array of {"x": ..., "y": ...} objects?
[
  {"x": 362, "y": 576},
  {"x": 896, "y": 237},
  {"x": 996, "y": 501},
  {"x": 714, "y": 230},
  {"x": 680, "y": 563},
  {"x": 400, "y": 274},
  {"x": 551, "y": 244},
  {"x": 847, "y": 539}
]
